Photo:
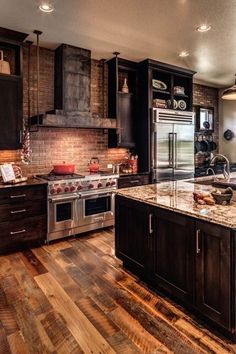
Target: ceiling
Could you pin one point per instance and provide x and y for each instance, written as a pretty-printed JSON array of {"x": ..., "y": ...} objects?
[{"x": 139, "y": 29}]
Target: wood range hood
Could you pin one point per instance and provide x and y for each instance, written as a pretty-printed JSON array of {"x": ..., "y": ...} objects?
[{"x": 72, "y": 93}]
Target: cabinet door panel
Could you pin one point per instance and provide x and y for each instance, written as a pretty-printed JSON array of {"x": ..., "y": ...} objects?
[
  {"x": 173, "y": 262},
  {"x": 131, "y": 234},
  {"x": 11, "y": 120},
  {"x": 213, "y": 272}
]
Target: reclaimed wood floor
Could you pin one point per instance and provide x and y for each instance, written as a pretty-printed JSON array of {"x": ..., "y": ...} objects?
[{"x": 74, "y": 297}]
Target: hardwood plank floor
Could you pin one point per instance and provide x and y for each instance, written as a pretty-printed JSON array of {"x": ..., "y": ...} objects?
[{"x": 74, "y": 296}]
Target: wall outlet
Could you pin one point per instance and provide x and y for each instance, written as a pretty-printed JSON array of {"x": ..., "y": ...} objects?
[{"x": 109, "y": 165}]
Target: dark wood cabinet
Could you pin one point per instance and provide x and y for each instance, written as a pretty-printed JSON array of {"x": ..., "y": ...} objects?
[
  {"x": 133, "y": 180},
  {"x": 173, "y": 253},
  {"x": 131, "y": 241},
  {"x": 192, "y": 261},
  {"x": 11, "y": 92},
  {"x": 23, "y": 216},
  {"x": 213, "y": 286},
  {"x": 121, "y": 105}
]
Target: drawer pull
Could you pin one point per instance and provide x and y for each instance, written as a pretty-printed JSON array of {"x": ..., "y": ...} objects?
[
  {"x": 18, "y": 196},
  {"x": 135, "y": 181},
  {"x": 17, "y": 232},
  {"x": 150, "y": 224},
  {"x": 18, "y": 211},
  {"x": 198, "y": 250}
]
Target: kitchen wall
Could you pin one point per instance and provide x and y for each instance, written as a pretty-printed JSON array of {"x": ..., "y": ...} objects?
[
  {"x": 55, "y": 145},
  {"x": 208, "y": 97},
  {"x": 227, "y": 113}
]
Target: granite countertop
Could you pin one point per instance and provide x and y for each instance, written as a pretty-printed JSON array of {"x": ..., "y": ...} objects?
[
  {"x": 30, "y": 182},
  {"x": 178, "y": 196}
]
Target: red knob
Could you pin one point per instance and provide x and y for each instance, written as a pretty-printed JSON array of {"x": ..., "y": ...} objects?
[
  {"x": 66, "y": 189},
  {"x": 113, "y": 183},
  {"x": 99, "y": 185},
  {"x": 53, "y": 191},
  {"x": 59, "y": 190},
  {"x": 108, "y": 184},
  {"x": 79, "y": 188},
  {"x": 91, "y": 186},
  {"x": 72, "y": 188}
]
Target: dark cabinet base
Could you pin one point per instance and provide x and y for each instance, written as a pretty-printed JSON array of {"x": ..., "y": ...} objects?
[{"x": 191, "y": 261}]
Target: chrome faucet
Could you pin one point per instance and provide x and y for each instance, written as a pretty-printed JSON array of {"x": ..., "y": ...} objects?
[
  {"x": 213, "y": 173},
  {"x": 226, "y": 169}
]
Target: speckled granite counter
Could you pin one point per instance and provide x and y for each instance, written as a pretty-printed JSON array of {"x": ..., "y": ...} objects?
[
  {"x": 177, "y": 196},
  {"x": 30, "y": 182}
]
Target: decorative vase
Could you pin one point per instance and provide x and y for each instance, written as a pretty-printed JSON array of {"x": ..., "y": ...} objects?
[{"x": 125, "y": 87}]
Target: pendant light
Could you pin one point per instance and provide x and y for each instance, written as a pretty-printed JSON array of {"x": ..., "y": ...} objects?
[{"x": 230, "y": 93}]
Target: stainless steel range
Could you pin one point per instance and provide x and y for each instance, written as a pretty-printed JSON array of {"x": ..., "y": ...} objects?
[{"x": 78, "y": 203}]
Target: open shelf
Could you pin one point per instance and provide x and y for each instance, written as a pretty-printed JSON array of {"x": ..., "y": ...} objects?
[{"x": 161, "y": 92}]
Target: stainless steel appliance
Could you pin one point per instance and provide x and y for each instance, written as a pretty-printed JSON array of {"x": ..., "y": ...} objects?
[
  {"x": 172, "y": 145},
  {"x": 78, "y": 203}
]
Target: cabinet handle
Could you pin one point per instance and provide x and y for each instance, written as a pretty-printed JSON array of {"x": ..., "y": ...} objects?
[
  {"x": 119, "y": 138},
  {"x": 135, "y": 181},
  {"x": 198, "y": 250},
  {"x": 18, "y": 211},
  {"x": 17, "y": 232},
  {"x": 18, "y": 196},
  {"x": 150, "y": 224},
  {"x": 21, "y": 136}
]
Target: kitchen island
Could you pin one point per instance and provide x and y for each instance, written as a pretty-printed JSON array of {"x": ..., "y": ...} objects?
[{"x": 180, "y": 248}]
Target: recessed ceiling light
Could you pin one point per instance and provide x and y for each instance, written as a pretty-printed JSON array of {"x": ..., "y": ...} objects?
[
  {"x": 183, "y": 54},
  {"x": 203, "y": 28},
  {"x": 46, "y": 7}
]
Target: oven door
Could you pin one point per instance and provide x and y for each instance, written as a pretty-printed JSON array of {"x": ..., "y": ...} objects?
[
  {"x": 62, "y": 213},
  {"x": 96, "y": 207}
]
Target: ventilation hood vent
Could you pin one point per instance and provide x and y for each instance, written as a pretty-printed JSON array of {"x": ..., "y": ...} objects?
[{"x": 72, "y": 92}]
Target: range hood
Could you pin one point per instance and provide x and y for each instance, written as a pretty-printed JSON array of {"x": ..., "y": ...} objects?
[{"x": 72, "y": 92}]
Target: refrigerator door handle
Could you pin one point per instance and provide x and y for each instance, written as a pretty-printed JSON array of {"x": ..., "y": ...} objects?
[
  {"x": 175, "y": 150},
  {"x": 171, "y": 151}
]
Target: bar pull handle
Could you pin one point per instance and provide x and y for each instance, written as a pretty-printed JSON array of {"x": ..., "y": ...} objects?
[
  {"x": 135, "y": 181},
  {"x": 150, "y": 224},
  {"x": 198, "y": 250},
  {"x": 17, "y": 232},
  {"x": 18, "y": 211},
  {"x": 18, "y": 196}
]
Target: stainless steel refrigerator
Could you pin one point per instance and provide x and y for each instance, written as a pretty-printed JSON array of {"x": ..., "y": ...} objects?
[{"x": 172, "y": 145}]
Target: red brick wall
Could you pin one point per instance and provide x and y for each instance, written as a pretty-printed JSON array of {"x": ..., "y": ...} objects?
[{"x": 51, "y": 146}]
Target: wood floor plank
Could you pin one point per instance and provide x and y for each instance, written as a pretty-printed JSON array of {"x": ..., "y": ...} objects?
[
  {"x": 80, "y": 327},
  {"x": 7, "y": 317},
  {"x": 17, "y": 344},
  {"x": 32, "y": 263}
]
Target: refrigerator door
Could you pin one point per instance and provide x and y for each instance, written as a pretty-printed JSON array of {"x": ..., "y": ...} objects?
[
  {"x": 183, "y": 151},
  {"x": 163, "y": 151}
]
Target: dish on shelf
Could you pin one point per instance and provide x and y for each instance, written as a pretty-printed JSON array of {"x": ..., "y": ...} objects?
[
  {"x": 159, "y": 85},
  {"x": 175, "y": 104},
  {"x": 181, "y": 104},
  {"x": 179, "y": 90},
  {"x": 158, "y": 103}
]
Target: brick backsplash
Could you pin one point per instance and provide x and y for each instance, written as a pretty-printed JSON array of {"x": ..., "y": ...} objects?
[{"x": 54, "y": 145}]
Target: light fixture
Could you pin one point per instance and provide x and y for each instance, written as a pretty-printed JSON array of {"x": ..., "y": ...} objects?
[
  {"x": 230, "y": 93},
  {"x": 46, "y": 7},
  {"x": 183, "y": 54},
  {"x": 203, "y": 28}
]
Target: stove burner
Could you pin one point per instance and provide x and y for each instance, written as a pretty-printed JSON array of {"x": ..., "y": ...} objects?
[{"x": 54, "y": 177}]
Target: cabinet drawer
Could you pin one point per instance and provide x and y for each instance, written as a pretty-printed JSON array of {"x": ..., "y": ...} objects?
[
  {"x": 131, "y": 181},
  {"x": 16, "y": 234},
  {"x": 16, "y": 195},
  {"x": 21, "y": 210}
]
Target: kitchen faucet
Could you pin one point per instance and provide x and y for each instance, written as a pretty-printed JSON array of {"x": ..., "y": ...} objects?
[{"x": 226, "y": 169}]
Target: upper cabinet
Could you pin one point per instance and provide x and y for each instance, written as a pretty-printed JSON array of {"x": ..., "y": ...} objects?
[
  {"x": 122, "y": 91},
  {"x": 11, "y": 89}
]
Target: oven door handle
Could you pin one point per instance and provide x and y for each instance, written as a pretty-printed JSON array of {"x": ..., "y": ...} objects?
[
  {"x": 93, "y": 195},
  {"x": 56, "y": 200}
]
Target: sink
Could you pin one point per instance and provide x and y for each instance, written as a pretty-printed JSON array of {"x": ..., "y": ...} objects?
[
  {"x": 208, "y": 182},
  {"x": 220, "y": 183}
]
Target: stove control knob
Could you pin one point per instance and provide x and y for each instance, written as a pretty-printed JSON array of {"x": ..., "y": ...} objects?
[
  {"x": 91, "y": 186},
  {"x": 72, "y": 188},
  {"x": 52, "y": 190},
  {"x": 113, "y": 183},
  {"x": 66, "y": 189},
  {"x": 108, "y": 184},
  {"x": 79, "y": 188},
  {"x": 99, "y": 185},
  {"x": 59, "y": 190}
]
